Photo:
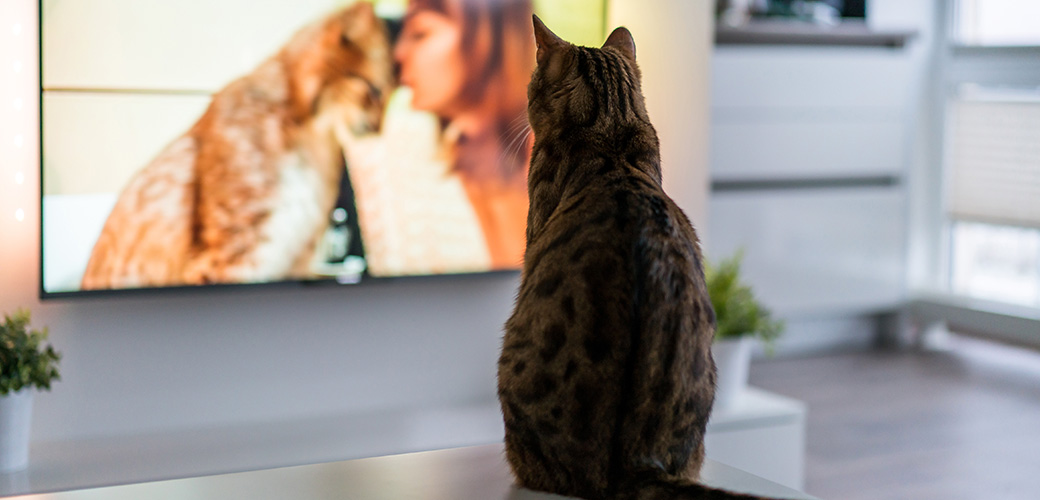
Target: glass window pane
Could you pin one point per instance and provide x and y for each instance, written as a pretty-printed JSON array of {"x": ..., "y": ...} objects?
[
  {"x": 998, "y": 22},
  {"x": 1000, "y": 263}
]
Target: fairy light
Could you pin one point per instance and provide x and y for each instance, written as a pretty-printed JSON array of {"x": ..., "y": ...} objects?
[
  {"x": 14, "y": 60},
  {"x": 16, "y": 30}
]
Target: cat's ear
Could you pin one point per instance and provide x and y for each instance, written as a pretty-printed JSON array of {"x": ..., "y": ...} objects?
[
  {"x": 547, "y": 40},
  {"x": 621, "y": 39},
  {"x": 355, "y": 21}
]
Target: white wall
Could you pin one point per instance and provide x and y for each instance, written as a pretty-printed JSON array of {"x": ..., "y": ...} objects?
[
  {"x": 673, "y": 42},
  {"x": 159, "y": 362},
  {"x": 924, "y": 172}
]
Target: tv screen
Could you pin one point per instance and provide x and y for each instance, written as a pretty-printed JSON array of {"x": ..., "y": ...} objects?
[{"x": 215, "y": 142}]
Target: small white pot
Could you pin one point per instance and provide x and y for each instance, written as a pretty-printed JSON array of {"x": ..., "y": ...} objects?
[
  {"x": 15, "y": 418},
  {"x": 732, "y": 359}
]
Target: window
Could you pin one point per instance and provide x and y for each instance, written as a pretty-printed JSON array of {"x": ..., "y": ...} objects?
[
  {"x": 997, "y": 22},
  {"x": 991, "y": 150},
  {"x": 995, "y": 262},
  {"x": 993, "y": 165}
]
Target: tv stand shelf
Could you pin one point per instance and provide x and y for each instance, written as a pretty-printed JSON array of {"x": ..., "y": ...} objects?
[
  {"x": 472, "y": 473},
  {"x": 90, "y": 463}
]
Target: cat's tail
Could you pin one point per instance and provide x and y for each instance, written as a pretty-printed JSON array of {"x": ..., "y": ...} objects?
[{"x": 670, "y": 489}]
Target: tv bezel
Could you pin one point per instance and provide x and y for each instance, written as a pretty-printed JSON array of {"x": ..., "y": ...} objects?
[{"x": 365, "y": 278}]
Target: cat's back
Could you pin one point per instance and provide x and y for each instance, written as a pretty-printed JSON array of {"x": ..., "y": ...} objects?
[
  {"x": 610, "y": 287},
  {"x": 614, "y": 217}
]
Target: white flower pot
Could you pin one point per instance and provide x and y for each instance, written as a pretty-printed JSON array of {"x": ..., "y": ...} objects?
[
  {"x": 15, "y": 417},
  {"x": 732, "y": 359}
]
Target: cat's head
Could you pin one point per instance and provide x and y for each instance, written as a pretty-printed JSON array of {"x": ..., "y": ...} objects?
[
  {"x": 341, "y": 61},
  {"x": 591, "y": 88}
]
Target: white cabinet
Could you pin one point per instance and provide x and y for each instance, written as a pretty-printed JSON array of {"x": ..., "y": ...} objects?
[
  {"x": 821, "y": 250},
  {"x": 809, "y": 77},
  {"x": 808, "y": 160},
  {"x": 798, "y": 144},
  {"x": 762, "y": 433}
]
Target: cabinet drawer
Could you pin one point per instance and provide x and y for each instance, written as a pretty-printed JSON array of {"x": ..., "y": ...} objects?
[
  {"x": 792, "y": 144},
  {"x": 814, "y": 77},
  {"x": 815, "y": 251}
]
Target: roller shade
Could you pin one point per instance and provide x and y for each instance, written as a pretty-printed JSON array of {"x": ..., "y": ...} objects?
[{"x": 994, "y": 157}]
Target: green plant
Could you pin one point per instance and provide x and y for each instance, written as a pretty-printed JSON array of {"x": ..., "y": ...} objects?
[
  {"x": 737, "y": 312},
  {"x": 24, "y": 359}
]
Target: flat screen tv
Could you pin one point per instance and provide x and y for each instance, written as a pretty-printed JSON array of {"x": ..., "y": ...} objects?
[{"x": 228, "y": 142}]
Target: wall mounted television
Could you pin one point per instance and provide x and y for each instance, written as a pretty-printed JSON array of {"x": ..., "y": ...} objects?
[{"x": 208, "y": 143}]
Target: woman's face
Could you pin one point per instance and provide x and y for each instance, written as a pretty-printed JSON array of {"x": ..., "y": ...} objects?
[{"x": 431, "y": 62}]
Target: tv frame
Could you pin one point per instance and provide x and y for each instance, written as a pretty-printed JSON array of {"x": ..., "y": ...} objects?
[{"x": 364, "y": 279}]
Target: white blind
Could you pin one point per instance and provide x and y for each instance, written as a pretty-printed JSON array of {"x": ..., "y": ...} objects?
[{"x": 995, "y": 158}]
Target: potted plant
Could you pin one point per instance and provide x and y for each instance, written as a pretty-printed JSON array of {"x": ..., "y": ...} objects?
[
  {"x": 739, "y": 319},
  {"x": 26, "y": 363}
]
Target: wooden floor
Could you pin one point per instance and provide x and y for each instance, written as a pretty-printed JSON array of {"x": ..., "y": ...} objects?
[{"x": 963, "y": 424}]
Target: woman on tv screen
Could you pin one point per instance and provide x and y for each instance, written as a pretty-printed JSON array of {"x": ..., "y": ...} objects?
[{"x": 482, "y": 56}]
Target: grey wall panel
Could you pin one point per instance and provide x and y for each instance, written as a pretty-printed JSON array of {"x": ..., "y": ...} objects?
[
  {"x": 815, "y": 252},
  {"x": 815, "y": 77},
  {"x": 795, "y": 144}
]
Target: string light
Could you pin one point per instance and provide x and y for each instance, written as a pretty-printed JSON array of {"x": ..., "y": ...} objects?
[{"x": 17, "y": 103}]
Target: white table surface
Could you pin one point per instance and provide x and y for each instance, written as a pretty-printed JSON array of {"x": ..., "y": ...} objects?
[
  {"x": 95, "y": 462},
  {"x": 473, "y": 473},
  {"x": 756, "y": 408}
]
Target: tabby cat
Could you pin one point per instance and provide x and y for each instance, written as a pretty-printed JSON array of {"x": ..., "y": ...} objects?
[
  {"x": 244, "y": 195},
  {"x": 606, "y": 379}
]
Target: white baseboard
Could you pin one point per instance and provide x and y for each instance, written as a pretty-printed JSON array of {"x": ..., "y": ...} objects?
[
  {"x": 813, "y": 336},
  {"x": 1008, "y": 323}
]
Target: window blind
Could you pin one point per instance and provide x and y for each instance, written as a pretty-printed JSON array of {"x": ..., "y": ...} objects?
[{"x": 994, "y": 156}]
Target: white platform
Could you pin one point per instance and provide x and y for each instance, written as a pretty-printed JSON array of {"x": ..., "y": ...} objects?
[
  {"x": 474, "y": 473},
  {"x": 762, "y": 433},
  {"x": 762, "y": 429}
]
